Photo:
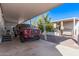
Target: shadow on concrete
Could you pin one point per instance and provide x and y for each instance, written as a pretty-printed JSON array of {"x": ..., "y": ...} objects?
[{"x": 57, "y": 39}]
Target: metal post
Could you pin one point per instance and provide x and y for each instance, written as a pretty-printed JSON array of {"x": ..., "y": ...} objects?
[
  {"x": 77, "y": 32},
  {"x": 74, "y": 31},
  {"x": 74, "y": 27},
  {"x": 44, "y": 26},
  {"x": 62, "y": 28},
  {"x": 54, "y": 28},
  {"x": 30, "y": 24}
]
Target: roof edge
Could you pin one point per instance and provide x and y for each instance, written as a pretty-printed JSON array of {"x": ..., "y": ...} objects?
[{"x": 65, "y": 19}]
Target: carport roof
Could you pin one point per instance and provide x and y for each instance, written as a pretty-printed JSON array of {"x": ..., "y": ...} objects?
[{"x": 13, "y": 11}]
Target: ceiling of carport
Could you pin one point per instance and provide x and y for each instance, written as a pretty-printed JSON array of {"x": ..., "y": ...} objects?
[{"x": 13, "y": 11}]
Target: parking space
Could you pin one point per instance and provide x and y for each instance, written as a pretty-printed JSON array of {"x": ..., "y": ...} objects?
[{"x": 33, "y": 48}]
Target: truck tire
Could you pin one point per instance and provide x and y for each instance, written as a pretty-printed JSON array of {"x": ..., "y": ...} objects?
[
  {"x": 22, "y": 39},
  {"x": 37, "y": 37}
]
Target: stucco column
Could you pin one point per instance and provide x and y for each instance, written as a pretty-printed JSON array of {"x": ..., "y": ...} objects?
[{"x": 1, "y": 25}]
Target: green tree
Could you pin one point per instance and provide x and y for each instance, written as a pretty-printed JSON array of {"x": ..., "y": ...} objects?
[
  {"x": 49, "y": 25},
  {"x": 40, "y": 24}
]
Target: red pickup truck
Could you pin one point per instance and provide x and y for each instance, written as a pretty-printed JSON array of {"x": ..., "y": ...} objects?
[{"x": 26, "y": 32}]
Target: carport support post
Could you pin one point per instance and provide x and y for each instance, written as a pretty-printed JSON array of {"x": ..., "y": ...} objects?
[
  {"x": 74, "y": 28},
  {"x": 75, "y": 31},
  {"x": 30, "y": 23},
  {"x": 62, "y": 28},
  {"x": 44, "y": 26}
]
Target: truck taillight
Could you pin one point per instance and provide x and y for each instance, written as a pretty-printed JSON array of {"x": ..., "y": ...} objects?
[{"x": 25, "y": 32}]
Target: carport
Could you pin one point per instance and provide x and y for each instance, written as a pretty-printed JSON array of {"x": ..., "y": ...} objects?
[
  {"x": 12, "y": 14},
  {"x": 16, "y": 13}
]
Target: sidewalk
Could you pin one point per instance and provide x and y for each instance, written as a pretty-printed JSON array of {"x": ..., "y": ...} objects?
[
  {"x": 68, "y": 51},
  {"x": 65, "y": 50}
]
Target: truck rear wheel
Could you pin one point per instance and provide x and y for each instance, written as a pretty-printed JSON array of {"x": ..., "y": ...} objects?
[
  {"x": 36, "y": 37},
  {"x": 22, "y": 39}
]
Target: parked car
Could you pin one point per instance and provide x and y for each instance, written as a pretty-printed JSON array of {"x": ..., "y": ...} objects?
[{"x": 26, "y": 32}]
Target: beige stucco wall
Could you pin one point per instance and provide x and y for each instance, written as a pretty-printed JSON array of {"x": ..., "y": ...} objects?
[{"x": 68, "y": 25}]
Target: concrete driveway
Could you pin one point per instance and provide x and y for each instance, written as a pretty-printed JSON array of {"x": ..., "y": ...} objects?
[
  {"x": 61, "y": 40},
  {"x": 34, "y": 48}
]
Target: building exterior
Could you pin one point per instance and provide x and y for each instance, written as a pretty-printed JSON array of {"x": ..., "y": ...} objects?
[{"x": 68, "y": 27}]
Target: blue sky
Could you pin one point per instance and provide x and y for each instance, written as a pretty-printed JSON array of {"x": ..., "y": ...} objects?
[{"x": 66, "y": 10}]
